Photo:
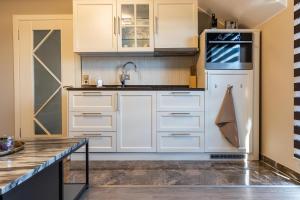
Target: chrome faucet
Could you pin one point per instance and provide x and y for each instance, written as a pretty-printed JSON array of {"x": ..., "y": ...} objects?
[{"x": 125, "y": 76}]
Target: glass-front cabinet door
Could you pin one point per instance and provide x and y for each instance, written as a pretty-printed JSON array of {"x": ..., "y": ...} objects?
[{"x": 135, "y": 21}]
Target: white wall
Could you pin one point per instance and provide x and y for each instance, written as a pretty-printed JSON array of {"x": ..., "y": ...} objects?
[
  {"x": 7, "y": 9},
  {"x": 151, "y": 70},
  {"x": 277, "y": 89}
]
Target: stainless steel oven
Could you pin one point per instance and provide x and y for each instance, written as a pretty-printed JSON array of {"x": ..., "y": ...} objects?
[{"x": 229, "y": 50}]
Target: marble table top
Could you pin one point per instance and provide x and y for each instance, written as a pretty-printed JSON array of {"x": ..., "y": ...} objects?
[{"x": 36, "y": 156}]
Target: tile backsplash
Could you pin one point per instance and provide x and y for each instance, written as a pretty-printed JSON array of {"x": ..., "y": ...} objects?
[{"x": 150, "y": 70}]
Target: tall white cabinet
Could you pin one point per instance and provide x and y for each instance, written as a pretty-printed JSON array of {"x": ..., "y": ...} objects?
[
  {"x": 176, "y": 23},
  {"x": 242, "y": 91},
  {"x": 136, "y": 125}
]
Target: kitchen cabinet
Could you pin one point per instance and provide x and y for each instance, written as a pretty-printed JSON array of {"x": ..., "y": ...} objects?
[
  {"x": 180, "y": 142},
  {"x": 242, "y": 91},
  {"x": 95, "y": 25},
  {"x": 113, "y": 26},
  {"x": 92, "y": 121},
  {"x": 93, "y": 115},
  {"x": 176, "y": 23},
  {"x": 98, "y": 141},
  {"x": 180, "y": 121},
  {"x": 136, "y": 124},
  {"x": 180, "y": 101},
  {"x": 92, "y": 101},
  {"x": 135, "y": 25}
]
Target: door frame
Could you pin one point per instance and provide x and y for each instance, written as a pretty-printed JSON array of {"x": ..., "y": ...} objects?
[{"x": 16, "y": 50}]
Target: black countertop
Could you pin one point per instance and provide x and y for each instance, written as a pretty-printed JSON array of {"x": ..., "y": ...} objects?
[{"x": 138, "y": 88}]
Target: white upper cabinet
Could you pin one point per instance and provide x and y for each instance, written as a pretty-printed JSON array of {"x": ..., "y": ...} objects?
[
  {"x": 135, "y": 25},
  {"x": 176, "y": 23},
  {"x": 112, "y": 26},
  {"x": 95, "y": 24}
]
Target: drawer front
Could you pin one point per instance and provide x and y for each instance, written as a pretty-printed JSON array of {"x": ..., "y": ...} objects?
[
  {"x": 180, "y": 101},
  {"x": 92, "y": 101},
  {"x": 98, "y": 141},
  {"x": 180, "y": 142},
  {"x": 93, "y": 121},
  {"x": 180, "y": 121}
]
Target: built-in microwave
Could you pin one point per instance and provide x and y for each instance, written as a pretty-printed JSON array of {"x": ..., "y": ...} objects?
[{"x": 229, "y": 50}]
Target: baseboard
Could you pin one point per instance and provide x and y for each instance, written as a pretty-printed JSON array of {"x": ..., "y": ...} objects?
[{"x": 287, "y": 171}]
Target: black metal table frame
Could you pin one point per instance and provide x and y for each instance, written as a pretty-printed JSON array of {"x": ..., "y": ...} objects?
[{"x": 50, "y": 175}]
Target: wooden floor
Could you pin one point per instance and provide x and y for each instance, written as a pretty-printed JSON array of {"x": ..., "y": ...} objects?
[{"x": 193, "y": 193}]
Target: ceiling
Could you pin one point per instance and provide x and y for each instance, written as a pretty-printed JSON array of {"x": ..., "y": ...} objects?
[{"x": 249, "y": 13}]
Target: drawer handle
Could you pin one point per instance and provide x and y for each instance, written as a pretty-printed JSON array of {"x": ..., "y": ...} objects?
[
  {"x": 92, "y": 135},
  {"x": 92, "y": 93},
  {"x": 91, "y": 114},
  {"x": 180, "y": 92},
  {"x": 180, "y": 134},
  {"x": 87, "y": 135},
  {"x": 181, "y": 114}
]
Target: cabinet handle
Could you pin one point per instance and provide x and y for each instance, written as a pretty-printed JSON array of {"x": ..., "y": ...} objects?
[
  {"x": 115, "y": 32},
  {"x": 92, "y": 135},
  {"x": 180, "y": 113},
  {"x": 93, "y": 93},
  {"x": 180, "y": 92},
  {"x": 119, "y": 25},
  {"x": 67, "y": 86},
  {"x": 118, "y": 102},
  {"x": 90, "y": 114},
  {"x": 206, "y": 80},
  {"x": 156, "y": 25},
  {"x": 88, "y": 135},
  {"x": 180, "y": 134}
]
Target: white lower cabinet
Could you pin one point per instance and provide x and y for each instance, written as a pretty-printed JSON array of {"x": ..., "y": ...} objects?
[
  {"x": 98, "y": 141},
  {"x": 180, "y": 121},
  {"x": 180, "y": 142},
  {"x": 133, "y": 121},
  {"x": 92, "y": 121},
  {"x": 181, "y": 129},
  {"x": 136, "y": 123},
  {"x": 180, "y": 101}
]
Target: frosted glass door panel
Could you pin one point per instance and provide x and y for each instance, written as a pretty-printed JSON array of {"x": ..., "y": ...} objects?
[
  {"x": 136, "y": 26},
  {"x": 47, "y": 82}
]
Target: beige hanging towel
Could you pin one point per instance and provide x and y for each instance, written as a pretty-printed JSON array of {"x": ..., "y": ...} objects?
[{"x": 226, "y": 120}]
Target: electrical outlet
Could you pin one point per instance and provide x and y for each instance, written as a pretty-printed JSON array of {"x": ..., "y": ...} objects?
[{"x": 127, "y": 77}]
